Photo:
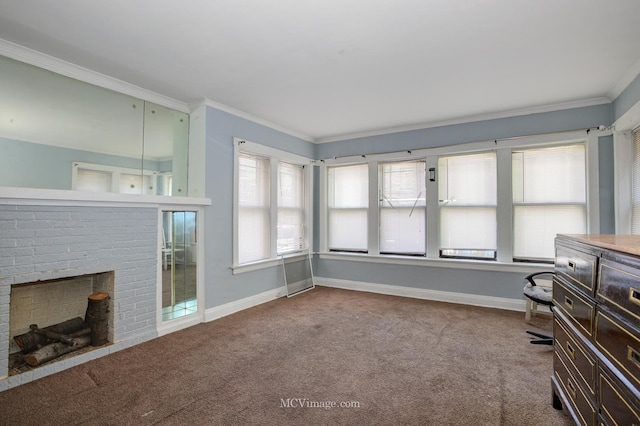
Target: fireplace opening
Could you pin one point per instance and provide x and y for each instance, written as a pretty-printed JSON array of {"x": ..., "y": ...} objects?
[{"x": 55, "y": 319}]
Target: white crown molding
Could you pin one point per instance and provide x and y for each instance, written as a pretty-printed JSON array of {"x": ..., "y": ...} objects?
[
  {"x": 470, "y": 119},
  {"x": 59, "y": 66},
  {"x": 258, "y": 120},
  {"x": 420, "y": 293}
]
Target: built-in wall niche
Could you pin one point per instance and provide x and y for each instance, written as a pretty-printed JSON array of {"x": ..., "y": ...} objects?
[
  {"x": 43, "y": 304},
  {"x": 49, "y": 123}
]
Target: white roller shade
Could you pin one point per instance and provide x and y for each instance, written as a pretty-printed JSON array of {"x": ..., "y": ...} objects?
[
  {"x": 347, "y": 204},
  {"x": 253, "y": 209}
]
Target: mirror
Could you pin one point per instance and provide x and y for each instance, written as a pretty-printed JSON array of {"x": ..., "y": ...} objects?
[
  {"x": 61, "y": 133},
  {"x": 179, "y": 260}
]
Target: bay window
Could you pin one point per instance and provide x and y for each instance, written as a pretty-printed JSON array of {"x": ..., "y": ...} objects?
[{"x": 499, "y": 201}]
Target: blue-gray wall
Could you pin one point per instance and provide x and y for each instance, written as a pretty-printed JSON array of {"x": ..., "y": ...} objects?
[{"x": 221, "y": 285}]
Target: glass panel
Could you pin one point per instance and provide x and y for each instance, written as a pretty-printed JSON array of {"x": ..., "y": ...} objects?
[
  {"x": 50, "y": 122},
  {"x": 179, "y": 264},
  {"x": 166, "y": 148},
  {"x": 402, "y": 230},
  {"x": 468, "y": 228},
  {"x": 348, "y": 229},
  {"x": 549, "y": 175},
  {"x": 468, "y": 179},
  {"x": 348, "y": 186},
  {"x": 535, "y": 228}
]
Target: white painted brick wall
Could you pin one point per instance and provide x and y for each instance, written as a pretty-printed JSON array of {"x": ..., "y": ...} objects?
[{"x": 49, "y": 242}]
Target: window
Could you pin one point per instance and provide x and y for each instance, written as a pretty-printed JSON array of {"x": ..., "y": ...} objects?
[
  {"x": 254, "y": 229},
  {"x": 272, "y": 205},
  {"x": 549, "y": 197},
  {"x": 290, "y": 208},
  {"x": 467, "y": 199},
  {"x": 402, "y": 204},
  {"x": 348, "y": 202}
]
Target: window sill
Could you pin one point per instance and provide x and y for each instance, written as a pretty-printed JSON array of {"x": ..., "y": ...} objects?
[
  {"x": 476, "y": 265},
  {"x": 266, "y": 263}
]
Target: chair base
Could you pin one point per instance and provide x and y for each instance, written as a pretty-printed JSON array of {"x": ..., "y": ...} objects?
[{"x": 542, "y": 339}]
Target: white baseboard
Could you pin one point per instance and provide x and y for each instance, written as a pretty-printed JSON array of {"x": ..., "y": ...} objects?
[
  {"x": 420, "y": 293},
  {"x": 241, "y": 304}
]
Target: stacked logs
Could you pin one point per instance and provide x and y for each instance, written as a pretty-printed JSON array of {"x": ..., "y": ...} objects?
[{"x": 44, "y": 344}]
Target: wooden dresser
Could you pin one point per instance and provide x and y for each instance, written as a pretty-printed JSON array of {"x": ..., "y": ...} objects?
[{"x": 596, "y": 330}]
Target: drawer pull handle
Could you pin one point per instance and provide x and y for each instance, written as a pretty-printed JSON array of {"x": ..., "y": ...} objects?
[
  {"x": 633, "y": 356},
  {"x": 571, "y": 388},
  {"x": 571, "y": 265},
  {"x": 568, "y": 302},
  {"x": 571, "y": 351},
  {"x": 634, "y": 296}
]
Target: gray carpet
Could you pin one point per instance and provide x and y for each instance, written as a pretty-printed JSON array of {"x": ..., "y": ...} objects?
[{"x": 388, "y": 360}]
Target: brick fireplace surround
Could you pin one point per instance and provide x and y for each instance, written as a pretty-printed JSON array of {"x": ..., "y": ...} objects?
[{"x": 42, "y": 242}]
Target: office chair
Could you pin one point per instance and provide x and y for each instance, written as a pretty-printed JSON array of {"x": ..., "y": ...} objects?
[{"x": 540, "y": 292}]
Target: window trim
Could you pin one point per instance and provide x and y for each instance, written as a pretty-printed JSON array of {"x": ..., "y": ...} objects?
[
  {"x": 275, "y": 155},
  {"x": 504, "y": 210}
]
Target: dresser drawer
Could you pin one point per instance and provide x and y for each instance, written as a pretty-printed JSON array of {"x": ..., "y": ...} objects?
[
  {"x": 619, "y": 288},
  {"x": 578, "y": 357},
  {"x": 575, "y": 306},
  {"x": 616, "y": 406},
  {"x": 620, "y": 342},
  {"x": 582, "y": 405},
  {"x": 577, "y": 267}
]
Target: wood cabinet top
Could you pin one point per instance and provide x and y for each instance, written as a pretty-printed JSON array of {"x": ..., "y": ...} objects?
[{"x": 629, "y": 244}]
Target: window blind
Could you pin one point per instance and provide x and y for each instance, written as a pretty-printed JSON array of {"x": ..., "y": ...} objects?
[
  {"x": 347, "y": 203},
  {"x": 291, "y": 215},
  {"x": 467, "y": 195},
  {"x": 254, "y": 231},
  {"x": 402, "y": 207},
  {"x": 549, "y": 196}
]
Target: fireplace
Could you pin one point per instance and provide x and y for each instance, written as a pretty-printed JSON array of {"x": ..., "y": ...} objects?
[
  {"x": 72, "y": 251},
  {"x": 44, "y": 304}
]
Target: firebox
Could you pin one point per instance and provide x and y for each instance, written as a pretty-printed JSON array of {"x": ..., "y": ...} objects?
[{"x": 54, "y": 318}]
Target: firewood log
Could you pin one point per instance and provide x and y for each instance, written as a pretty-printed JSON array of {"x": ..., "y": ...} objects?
[
  {"x": 54, "y": 350},
  {"x": 31, "y": 341}
]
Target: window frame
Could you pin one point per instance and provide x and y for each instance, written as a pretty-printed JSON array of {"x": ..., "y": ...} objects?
[
  {"x": 504, "y": 210},
  {"x": 275, "y": 156}
]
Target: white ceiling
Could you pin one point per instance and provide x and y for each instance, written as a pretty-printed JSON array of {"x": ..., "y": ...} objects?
[{"x": 328, "y": 69}]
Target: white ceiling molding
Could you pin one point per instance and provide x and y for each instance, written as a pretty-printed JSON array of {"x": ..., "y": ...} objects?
[
  {"x": 257, "y": 120},
  {"x": 475, "y": 118}
]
